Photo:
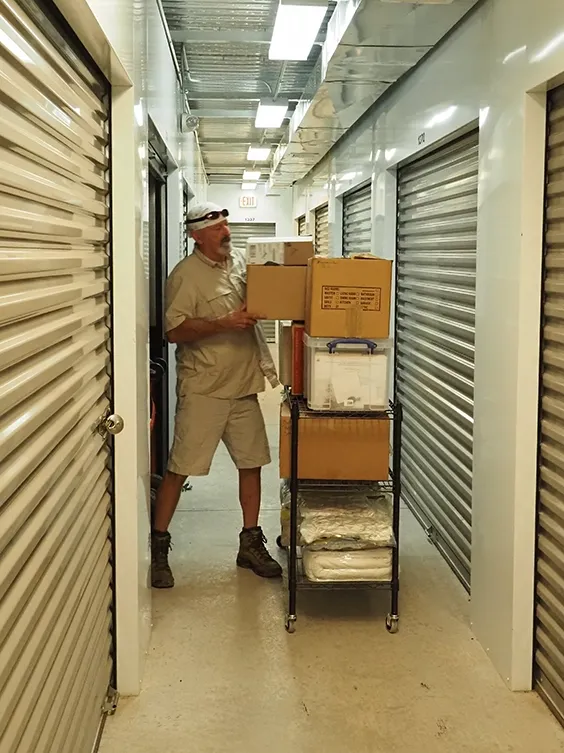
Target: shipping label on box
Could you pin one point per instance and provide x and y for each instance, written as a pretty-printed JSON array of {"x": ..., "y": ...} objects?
[{"x": 341, "y": 298}]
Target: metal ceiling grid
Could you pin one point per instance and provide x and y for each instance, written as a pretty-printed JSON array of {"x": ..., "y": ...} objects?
[{"x": 223, "y": 50}]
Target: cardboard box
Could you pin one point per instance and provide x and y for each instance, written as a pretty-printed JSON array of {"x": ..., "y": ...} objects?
[
  {"x": 276, "y": 292},
  {"x": 349, "y": 297},
  {"x": 336, "y": 449},
  {"x": 291, "y": 356},
  {"x": 290, "y": 252}
]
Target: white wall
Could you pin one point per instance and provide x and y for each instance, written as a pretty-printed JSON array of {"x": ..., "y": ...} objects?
[
  {"x": 495, "y": 68},
  {"x": 276, "y": 209},
  {"x": 127, "y": 40}
]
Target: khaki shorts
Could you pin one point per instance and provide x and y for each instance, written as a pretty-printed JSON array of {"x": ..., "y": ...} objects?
[{"x": 201, "y": 422}]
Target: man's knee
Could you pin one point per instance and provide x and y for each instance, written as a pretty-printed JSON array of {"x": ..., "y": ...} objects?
[{"x": 174, "y": 479}]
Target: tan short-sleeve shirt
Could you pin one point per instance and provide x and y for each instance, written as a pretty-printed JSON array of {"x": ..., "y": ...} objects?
[{"x": 227, "y": 365}]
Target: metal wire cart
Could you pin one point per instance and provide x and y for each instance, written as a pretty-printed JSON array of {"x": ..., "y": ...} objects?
[{"x": 297, "y": 580}]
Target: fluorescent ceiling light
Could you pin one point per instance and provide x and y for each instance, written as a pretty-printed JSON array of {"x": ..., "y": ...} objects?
[
  {"x": 296, "y": 28},
  {"x": 258, "y": 154},
  {"x": 389, "y": 154},
  {"x": 270, "y": 115},
  {"x": 442, "y": 117},
  {"x": 251, "y": 175},
  {"x": 248, "y": 186},
  {"x": 348, "y": 176}
]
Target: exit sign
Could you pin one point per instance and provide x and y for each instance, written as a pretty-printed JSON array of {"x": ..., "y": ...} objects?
[{"x": 248, "y": 201}]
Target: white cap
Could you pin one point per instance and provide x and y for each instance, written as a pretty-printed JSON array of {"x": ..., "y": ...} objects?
[{"x": 197, "y": 218}]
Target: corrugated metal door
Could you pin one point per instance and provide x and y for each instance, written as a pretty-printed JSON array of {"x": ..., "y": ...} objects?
[
  {"x": 357, "y": 221},
  {"x": 302, "y": 225},
  {"x": 435, "y": 324},
  {"x": 240, "y": 232},
  {"x": 55, "y": 365},
  {"x": 549, "y": 632},
  {"x": 322, "y": 230}
]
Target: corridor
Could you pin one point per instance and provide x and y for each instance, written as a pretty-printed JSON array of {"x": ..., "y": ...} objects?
[{"x": 223, "y": 675}]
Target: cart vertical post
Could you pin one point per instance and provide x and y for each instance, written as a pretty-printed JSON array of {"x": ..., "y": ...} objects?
[
  {"x": 393, "y": 618},
  {"x": 293, "y": 555}
]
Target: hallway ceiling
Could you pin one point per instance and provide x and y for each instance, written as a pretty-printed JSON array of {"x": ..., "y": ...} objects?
[{"x": 222, "y": 50}]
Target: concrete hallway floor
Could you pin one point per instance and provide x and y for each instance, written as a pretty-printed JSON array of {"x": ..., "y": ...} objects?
[{"x": 223, "y": 675}]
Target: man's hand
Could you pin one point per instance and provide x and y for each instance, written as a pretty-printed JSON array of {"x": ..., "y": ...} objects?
[{"x": 240, "y": 319}]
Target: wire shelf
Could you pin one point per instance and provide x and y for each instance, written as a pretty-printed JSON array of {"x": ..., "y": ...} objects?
[{"x": 306, "y": 413}]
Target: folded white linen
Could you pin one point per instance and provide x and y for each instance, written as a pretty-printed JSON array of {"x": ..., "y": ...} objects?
[{"x": 360, "y": 565}]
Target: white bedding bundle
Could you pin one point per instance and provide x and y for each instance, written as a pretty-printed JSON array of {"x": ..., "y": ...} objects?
[
  {"x": 360, "y": 565},
  {"x": 340, "y": 518}
]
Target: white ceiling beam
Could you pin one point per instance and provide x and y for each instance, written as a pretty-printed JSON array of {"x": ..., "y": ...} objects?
[
  {"x": 237, "y": 96},
  {"x": 223, "y": 113},
  {"x": 219, "y": 37}
]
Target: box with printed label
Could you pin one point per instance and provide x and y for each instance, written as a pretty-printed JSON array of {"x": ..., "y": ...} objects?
[
  {"x": 336, "y": 449},
  {"x": 276, "y": 292},
  {"x": 290, "y": 252},
  {"x": 349, "y": 297}
]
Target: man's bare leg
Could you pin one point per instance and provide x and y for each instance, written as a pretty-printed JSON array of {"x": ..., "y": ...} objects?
[
  {"x": 253, "y": 554},
  {"x": 249, "y": 495},
  {"x": 167, "y": 500}
]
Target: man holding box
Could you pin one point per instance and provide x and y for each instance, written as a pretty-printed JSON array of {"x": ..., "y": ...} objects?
[{"x": 222, "y": 361}]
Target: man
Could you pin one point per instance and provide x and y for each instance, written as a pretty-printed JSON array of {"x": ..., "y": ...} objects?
[{"x": 222, "y": 360}]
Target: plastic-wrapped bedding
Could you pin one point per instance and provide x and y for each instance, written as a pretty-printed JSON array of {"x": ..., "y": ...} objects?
[
  {"x": 360, "y": 565},
  {"x": 340, "y": 518}
]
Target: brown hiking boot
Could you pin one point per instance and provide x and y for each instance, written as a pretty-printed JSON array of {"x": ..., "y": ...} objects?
[
  {"x": 253, "y": 555},
  {"x": 161, "y": 574}
]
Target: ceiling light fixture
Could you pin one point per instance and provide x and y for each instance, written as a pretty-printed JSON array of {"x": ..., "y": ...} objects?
[
  {"x": 296, "y": 28},
  {"x": 251, "y": 175},
  {"x": 270, "y": 114},
  {"x": 248, "y": 186},
  {"x": 258, "y": 154}
]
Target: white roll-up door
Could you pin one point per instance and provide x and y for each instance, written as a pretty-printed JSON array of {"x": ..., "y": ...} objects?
[
  {"x": 357, "y": 221},
  {"x": 435, "y": 324},
  {"x": 302, "y": 225},
  {"x": 55, "y": 481},
  {"x": 549, "y": 631},
  {"x": 240, "y": 233},
  {"x": 322, "y": 230}
]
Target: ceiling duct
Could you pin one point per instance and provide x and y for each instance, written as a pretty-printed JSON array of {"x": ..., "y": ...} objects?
[{"x": 370, "y": 45}]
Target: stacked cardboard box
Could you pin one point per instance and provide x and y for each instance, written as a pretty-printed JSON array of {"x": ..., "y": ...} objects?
[{"x": 322, "y": 297}]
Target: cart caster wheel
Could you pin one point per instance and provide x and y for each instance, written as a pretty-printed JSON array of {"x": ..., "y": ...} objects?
[
  {"x": 279, "y": 542},
  {"x": 291, "y": 625},
  {"x": 392, "y": 623}
]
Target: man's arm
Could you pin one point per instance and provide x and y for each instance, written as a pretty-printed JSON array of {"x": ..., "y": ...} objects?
[{"x": 192, "y": 330}]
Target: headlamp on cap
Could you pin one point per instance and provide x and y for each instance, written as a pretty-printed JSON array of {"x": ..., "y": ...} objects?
[{"x": 210, "y": 216}]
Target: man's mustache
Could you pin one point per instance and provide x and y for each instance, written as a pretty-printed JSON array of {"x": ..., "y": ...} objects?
[{"x": 225, "y": 241}]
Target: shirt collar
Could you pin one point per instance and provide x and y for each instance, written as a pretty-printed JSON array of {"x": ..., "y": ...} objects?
[{"x": 209, "y": 261}]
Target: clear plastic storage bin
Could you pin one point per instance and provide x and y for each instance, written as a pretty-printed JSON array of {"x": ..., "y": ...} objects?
[{"x": 346, "y": 375}]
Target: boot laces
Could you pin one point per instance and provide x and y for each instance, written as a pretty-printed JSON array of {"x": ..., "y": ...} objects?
[
  {"x": 257, "y": 545},
  {"x": 163, "y": 545}
]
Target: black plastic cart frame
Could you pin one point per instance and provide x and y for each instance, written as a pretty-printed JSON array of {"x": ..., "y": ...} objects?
[{"x": 296, "y": 578}]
